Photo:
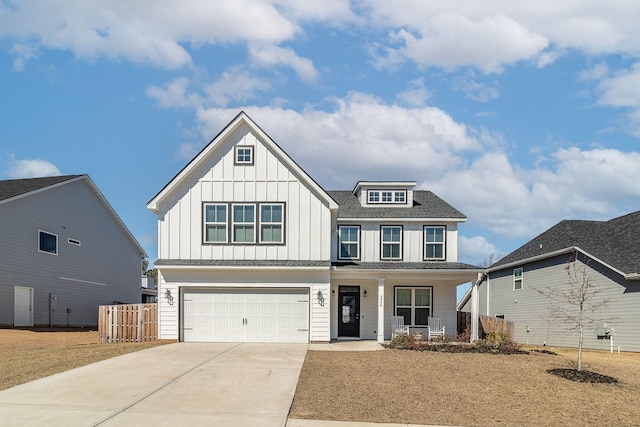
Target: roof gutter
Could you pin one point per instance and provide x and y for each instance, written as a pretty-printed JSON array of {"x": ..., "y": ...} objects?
[{"x": 631, "y": 276}]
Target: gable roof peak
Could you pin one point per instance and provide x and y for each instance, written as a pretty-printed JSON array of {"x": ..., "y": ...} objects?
[{"x": 242, "y": 118}]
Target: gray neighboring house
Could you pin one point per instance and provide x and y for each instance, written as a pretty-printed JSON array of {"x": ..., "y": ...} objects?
[
  {"x": 64, "y": 251},
  {"x": 611, "y": 252}
]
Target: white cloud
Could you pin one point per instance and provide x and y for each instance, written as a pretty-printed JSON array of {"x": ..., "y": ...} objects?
[
  {"x": 439, "y": 43},
  {"x": 31, "y": 168},
  {"x": 360, "y": 138},
  {"x": 481, "y": 92},
  {"x": 173, "y": 94},
  {"x": 416, "y": 95},
  {"x": 477, "y": 249},
  {"x": 153, "y": 32},
  {"x": 267, "y": 56}
]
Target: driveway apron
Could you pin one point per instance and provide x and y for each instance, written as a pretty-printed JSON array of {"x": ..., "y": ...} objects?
[{"x": 213, "y": 384}]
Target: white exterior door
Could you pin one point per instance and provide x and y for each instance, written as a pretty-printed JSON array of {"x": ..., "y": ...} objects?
[
  {"x": 245, "y": 315},
  {"x": 22, "y": 306}
]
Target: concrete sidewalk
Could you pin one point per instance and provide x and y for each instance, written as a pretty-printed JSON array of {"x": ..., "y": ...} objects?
[{"x": 176, "y": 384}]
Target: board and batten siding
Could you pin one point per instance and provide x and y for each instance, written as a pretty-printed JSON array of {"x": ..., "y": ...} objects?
[
  {"x": 527, "y": 307},
  {"x": 307, "y": 217},
  {"x": 412, "y": 240},
  {"x": 443, "y": 304},
  {"x": 105, "y": 266},
  {"x": 174, "y": 279}
]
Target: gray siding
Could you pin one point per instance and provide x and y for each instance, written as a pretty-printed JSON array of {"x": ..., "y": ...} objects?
[
  {"x": 527, "y": 307},
  {"x": 103, "y": 269}
]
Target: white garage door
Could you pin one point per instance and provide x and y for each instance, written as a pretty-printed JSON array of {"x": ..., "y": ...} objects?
[{"x": 246, "y": 315}]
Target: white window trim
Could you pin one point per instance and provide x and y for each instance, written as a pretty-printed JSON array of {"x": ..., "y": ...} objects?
[
  {"x": 443, "y": 243},
  {"x": 376, "y": 197},
  {"x": 383, "y": 243},
  {"x": 280, "y": 223},
  {"x": 236, "y": 153},
  {"x": 520, "y": 279},
  {"x": 205, "y": 223},
  {"x": 234, "y": 223},
  {"x": 52, "y": 234},
  {"x": 413, "y": 303},
  {"x": 357, "y": 242}
]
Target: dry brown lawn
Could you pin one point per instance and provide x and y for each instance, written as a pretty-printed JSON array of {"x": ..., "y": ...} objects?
[
  {"x": 403, "y": 386},
  {"x": 26, "y": 355}
]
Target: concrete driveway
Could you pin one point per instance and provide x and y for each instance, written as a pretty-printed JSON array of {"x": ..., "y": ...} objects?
[{"x": 217, "y": 384}]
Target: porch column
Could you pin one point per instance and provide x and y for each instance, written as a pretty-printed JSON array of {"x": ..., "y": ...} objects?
[
  {"x": 380, "y": 310},
  {"x": 475, "y": 308}
]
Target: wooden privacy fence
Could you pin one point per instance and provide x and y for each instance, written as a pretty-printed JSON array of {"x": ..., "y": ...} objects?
[
  {"x": 128, "y": 323},
  {"x": 490, "y": 324}
]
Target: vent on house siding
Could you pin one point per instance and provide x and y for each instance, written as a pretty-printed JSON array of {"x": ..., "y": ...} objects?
[{"x": 74, "y": 242}]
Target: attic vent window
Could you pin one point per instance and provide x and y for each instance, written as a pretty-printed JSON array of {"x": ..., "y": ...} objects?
[
  {"x": 74, "y": 241},
  {"x": 244, "y": 155}
]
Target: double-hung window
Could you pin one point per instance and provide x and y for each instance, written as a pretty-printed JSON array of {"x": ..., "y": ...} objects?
[
  {"x": 244, "y": 224},
  {"x": 434, "y": 240},
  {"x": 47, "y": 242},
  {"x": 215, "y": 223},
  {"x": 391, "y": 240},
  {"x": 271, "y": 223},
  {"x": 517, "y": 279},
  {"x": 349, "y": 236},
  {"x": 414, "y": 304}
]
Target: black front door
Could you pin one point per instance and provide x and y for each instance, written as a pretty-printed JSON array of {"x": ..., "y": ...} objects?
[{"x": 349, "y": 311}]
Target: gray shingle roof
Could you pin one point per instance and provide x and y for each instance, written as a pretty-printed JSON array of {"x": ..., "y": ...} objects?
[
  {"x": 16, "y": 187},
  {"x": 240, "y": 263},
  {"x": 426, "y": 265},
  {"x": 425, "y": 205},
  {"x": 614, "y": 242}
]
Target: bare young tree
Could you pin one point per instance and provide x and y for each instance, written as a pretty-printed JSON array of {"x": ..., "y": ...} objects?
[{"x": 576, "y": 305}]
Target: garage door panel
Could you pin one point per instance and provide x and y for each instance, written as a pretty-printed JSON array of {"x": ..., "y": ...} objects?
[{"x": 246, "y": 315}]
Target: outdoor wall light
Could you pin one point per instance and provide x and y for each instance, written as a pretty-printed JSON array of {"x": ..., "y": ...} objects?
[
  {"x": 365, "y": 293},
  {"x": 168, "y": 296},
  {"x": 320, "y": 298},
  {"x": 333, "y": 292}
]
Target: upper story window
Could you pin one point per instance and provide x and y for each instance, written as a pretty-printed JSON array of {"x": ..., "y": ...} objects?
[
  {"x": 379, "y": 196},
  {"x": 244, "y": 155},
  {"x": 391, "y": 241},
  {"x": 215, "y": 223},
  {"x": 271, "y": 223},
  {"x": 243, "y": 224},
  {"x": 349, "y": 246},
  {"x": 47, "y": 242},
  {"x": 434, "y": 240},
  {"x": 517, "y": 279}
]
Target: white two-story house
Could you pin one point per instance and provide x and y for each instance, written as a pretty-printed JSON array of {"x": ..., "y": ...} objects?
[{"x": 251, "y": 248}]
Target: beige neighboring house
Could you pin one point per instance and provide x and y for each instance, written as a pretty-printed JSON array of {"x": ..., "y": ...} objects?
[{"x": 251, "y": 248}]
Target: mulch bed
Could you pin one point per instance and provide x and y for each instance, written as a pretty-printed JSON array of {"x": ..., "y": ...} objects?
[{"x": 582, "y": 376}]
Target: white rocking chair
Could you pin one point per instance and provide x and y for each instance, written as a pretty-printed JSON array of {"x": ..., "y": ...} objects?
[
  {"x": 398, "y": 326},
  {"x": 435, "y": 327}
]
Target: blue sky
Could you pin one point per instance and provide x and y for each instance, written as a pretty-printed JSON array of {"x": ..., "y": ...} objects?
[{"x": 520, "y": 115}]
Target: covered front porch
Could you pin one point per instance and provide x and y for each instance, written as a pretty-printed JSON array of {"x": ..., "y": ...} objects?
[{"x": 365, "y": 297}]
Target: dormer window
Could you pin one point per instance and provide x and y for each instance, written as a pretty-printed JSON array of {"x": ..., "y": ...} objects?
[{"x": 387, "y": 197}]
